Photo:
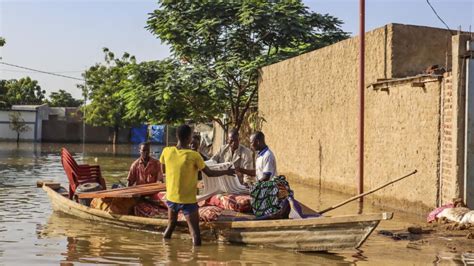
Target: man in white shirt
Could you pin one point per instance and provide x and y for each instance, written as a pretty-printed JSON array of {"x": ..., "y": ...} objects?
[
  {"x": 235, "y": 153},
  {"x": 265, "y": 163}
]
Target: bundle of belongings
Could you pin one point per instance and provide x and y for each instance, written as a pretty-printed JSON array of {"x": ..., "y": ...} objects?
[
  {"x": 452, "y": 212},
  {"x": 222, "y": 198}
]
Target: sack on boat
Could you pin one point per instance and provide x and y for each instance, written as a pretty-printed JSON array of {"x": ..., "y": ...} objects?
[
  {"x": 238, "y": 203},
  {"x": 269, "y": 197},
  {"x": 146, "y": 209},
  {"x": 209, "y": 213},
  {"x": 453, "y": 214},
  {"x": 123, "y": 206}
]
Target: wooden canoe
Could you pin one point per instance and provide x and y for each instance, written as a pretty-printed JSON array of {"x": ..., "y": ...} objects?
[{"x": 312, "y": 234}]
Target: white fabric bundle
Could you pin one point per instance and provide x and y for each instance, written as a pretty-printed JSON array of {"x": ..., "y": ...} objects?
[
  {"x": 453, "y": 214},
  {"x": 468, "y": 218},
  {"x": 225, "y": 183}
]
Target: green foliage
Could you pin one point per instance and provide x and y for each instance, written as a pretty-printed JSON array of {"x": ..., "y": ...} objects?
[
  {"x": 170, "y": 92},
  {"x": 62, "y": 99},
  {"x": 22, "y": 91},
  {"x": 2, "y": 41},
  {"x": 17, "y": 124},
  {"x": 3, "y": 94},
  {"x": 105, "y": 83},
  {"x": 219, "y": 46}
]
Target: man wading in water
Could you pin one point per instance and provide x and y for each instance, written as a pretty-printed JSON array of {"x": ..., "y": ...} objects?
[{"x": 181, "y": 165}]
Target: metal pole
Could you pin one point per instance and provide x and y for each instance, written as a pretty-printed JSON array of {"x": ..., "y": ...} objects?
[
  {"x": 362, "y": 95},
  {"x": 84, "y": 119}
]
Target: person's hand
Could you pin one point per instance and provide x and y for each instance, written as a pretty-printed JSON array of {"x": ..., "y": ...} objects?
[
  {"x": 238, "y": 171},
  {"x": 239, "y": 175},
  {"x": 230, "y": 171}
]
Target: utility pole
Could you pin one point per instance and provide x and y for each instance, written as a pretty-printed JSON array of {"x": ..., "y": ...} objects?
[{"x": 362, "y": 95}]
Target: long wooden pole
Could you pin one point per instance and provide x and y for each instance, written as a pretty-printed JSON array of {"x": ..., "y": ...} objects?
[{"x": 366, "y": 193}]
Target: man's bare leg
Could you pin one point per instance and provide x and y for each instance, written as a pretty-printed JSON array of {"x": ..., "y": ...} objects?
[
  {"x": 193, "y": 224},
  {"x": 172, "y": 220}
]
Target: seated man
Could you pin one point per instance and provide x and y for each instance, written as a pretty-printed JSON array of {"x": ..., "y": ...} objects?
[
  {"x": 270, "y": 194},
  {"x": 145, "y": 170},
  {"x": 265, "y": 163},
  {"x": 235, "y": 153}
]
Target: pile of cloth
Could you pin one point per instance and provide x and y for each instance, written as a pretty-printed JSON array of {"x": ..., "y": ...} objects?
[
  {"x": 454, "y": 212},
  {"x": 209, "y": 209}
]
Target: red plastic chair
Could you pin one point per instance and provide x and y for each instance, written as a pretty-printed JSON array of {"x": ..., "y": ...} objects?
[{"x": 78, "y": 174}]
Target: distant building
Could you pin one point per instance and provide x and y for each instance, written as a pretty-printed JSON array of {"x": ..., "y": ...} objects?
[{"x": 33, "y": 115}]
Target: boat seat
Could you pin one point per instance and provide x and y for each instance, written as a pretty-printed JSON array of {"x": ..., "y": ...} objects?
[{"x": 78, "y": 174}]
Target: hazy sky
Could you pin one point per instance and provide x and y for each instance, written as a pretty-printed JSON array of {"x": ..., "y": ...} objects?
[{"x": 67, "y": 36}]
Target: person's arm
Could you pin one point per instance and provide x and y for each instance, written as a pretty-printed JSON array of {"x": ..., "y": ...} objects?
[
  {"x": 163, "y": 169},
  {"x": 212, "y": 173},
  {"x": 250, "y": 172},
  {"x": 160, "y": 172},
  {"x": 131, "y": 178},
  {"x": 269, "y": 166}
]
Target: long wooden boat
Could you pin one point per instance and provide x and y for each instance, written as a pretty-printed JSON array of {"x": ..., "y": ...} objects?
[{"x": 311, "y": 234}]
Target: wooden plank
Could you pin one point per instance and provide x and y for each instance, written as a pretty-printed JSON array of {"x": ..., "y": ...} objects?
[
  {"x": 306, "y": 222},
  {"x": 127, "y": 192}
]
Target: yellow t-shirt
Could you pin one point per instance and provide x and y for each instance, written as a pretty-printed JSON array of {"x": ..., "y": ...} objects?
[{"x": 182, "y": 167}]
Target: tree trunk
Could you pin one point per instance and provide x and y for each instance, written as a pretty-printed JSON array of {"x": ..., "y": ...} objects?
[
  {"x": 116, "y": 131},
  {"x": 17, "y": 137}
]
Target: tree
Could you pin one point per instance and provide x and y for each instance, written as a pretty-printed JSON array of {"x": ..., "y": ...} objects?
[
  {"x": 3, "y": 94},
  {"x": 62, "y": 99},
  {"x": 23, "y": 91},
  {"x": 17, "y": 124},
  {"x": 104, "y": 87},
  {"x": 2, "y": 41},
  {"x": 218, "y": 48}
]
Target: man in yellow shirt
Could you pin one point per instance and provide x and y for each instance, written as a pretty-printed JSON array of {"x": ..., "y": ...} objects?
[{"x": 181, "y": 165}]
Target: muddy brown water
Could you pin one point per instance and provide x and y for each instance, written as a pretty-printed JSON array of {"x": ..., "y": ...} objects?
[{"x": 32, "y": 234}]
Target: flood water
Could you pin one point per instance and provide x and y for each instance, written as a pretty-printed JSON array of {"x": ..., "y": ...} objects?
[{"x": 32, "y": 234}]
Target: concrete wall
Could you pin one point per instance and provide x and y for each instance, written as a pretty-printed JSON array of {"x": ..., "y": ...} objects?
[
  {"x": 7, "y": 134},
  {"x": 63, "y": 131},
  {"x": 414, "y": 48},
  {"x": 311, "y": 105}
]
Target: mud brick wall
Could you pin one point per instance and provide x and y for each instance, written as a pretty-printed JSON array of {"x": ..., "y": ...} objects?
[
  {"x": 448, "y": 145},
  {"x": 311, "y": 105}
]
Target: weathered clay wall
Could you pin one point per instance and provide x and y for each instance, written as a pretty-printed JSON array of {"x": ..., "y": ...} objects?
[
  {"x": 414, "y": 48},
  {"x": 311, "y": 105},
  {"x": 402, "y": 133}
]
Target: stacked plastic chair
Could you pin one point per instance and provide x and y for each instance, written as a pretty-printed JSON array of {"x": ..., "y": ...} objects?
[{"x": 78, "y": 174}]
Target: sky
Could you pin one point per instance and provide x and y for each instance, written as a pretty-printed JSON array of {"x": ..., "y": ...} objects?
[{"x": 67, "y": 36}]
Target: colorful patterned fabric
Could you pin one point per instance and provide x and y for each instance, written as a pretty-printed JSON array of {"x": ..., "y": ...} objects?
[
  {"x": 209, "y": 213},
  {"x": 238, "y": 203},
  {"x": 267, "y": 197},
  {"x": 146, "y": 209}
]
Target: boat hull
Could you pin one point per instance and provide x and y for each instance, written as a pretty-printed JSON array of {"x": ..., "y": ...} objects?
[{"x": 312, "y": 234}]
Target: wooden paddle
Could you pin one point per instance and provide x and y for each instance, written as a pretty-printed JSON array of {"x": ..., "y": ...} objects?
[{"x": 366, "y": 193}]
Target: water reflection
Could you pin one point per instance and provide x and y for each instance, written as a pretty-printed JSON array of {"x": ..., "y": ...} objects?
[{"x": 31, "y": 234}]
